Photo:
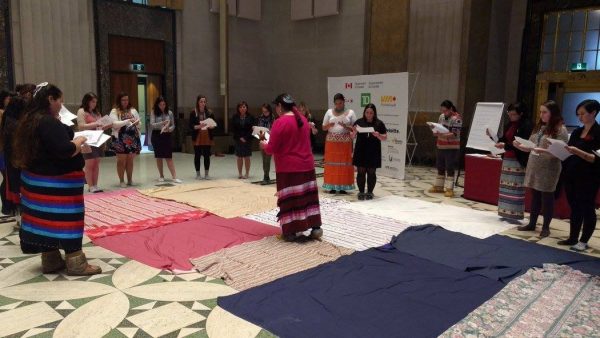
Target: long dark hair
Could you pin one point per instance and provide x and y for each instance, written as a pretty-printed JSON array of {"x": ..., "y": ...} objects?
[
  {"x": 288, "y": 104},
  {"x": 12, "y": 114},
  {"x": 156, "y": 108},
  {"x": 590, "y": 106},
  {"x": 200, "y": 97},
  {"x": 118, "y": 102},
  {"x": 449, "y": 105},
  {"x": 85, "y": 103},
  {"x": 555, "y": 121},
  {"x": 25, "y": 90},
  {"x": 240, "y": 105},
  {"x": 3, "y": 95},
  {"x": 372, "y": 106},
  {"x": 25, "y": 137}
]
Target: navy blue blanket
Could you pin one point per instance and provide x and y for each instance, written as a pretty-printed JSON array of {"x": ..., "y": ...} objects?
[
  {"x": 498, "y": 257},
  {"x": 373, "y": 293}
]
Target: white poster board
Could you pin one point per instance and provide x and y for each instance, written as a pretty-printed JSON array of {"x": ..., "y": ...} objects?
[
  {"x": 487, "y": 115},
  {"x": 389, "y": 93}
]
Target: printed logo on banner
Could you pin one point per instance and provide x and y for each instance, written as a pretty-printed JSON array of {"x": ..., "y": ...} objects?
[
  {"x": 365, "y": 99},
  {"x": 393, "y": 131},
  {"x": 390, "y": 168},
  {"x": 394, "y": 140},
  {"x": 388, "y": 100},
  {"x": 393, "y": 150},
  {"x": 348, "y": 85}
]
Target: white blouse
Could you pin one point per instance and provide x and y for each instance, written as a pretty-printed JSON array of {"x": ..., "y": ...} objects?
[{"x": 348, "y": 118}]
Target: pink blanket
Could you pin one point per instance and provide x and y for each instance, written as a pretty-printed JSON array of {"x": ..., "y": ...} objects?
[
  {"x": 171, "y": 247},
  {"x": 123, "y": 211}
]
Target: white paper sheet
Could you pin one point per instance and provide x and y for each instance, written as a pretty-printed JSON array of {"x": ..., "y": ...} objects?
[
  {"x": 365, "y": 129},
  {"x": 525, "y": 143},
  {"x": 103, "y": 138},
  {"x": 486, "y": 115},
  {"x": 437, "y": 128},
  {"x": 557, "y": 149},
  {"x": 105, "y": 121},
  {"x": 267, "y": 136},
  {"x": 92, "y": 136},
  {"x": 597, "y": 152},
  {"x": 66, "y": 117},
  {"x": 496, "y": 151},
  {"x": 209, "y": 123}
]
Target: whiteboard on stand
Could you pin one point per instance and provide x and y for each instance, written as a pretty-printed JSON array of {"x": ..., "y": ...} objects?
[{"x": 487, "y": 115}]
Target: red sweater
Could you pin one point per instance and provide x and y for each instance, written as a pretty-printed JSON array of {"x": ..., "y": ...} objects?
[{"x": 290, "y": 145}]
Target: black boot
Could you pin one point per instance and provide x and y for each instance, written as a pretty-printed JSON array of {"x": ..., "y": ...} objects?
[
  {"x": 545, "y": 232},
  {"x": 528, "y": 227}
]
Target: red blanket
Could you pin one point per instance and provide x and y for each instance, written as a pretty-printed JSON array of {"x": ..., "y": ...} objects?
[
  {"x": 123, "y": 211},
  {"x": 171, "y": 247}
]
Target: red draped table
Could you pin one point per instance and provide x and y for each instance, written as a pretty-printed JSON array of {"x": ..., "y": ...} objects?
[{"x": 482, "y": 184}]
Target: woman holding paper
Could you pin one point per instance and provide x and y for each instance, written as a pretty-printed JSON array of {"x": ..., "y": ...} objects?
[
  {"x": 297, "y": 191},
  {"x": 242, "y": 124},
  {"x": 265, "y": 120},
  {"x": 162, "y": 123},
  {"x": 202, "y": 134},
  {"x": 511, "y": 201},
  {"x": 543, "y": 169},
  {"x": 448, "y": 147},
  {"x": 126, "y": 137},
  {"x": 339, "y": 171},
  {"x": 581, "y": 175},
  {"x": 88, "y": 118},
  {"x": 369, "y": 132},
  {"x": 52, "y": 175}
]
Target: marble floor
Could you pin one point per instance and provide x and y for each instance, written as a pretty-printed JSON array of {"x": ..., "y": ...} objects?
[{"x": 130, "y": 299}]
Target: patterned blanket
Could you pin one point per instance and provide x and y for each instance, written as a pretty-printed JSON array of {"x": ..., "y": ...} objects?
[
  {"x": 556, "y": 301},
  {"x": 346, "y": 227},
  {"x": 256, "y": 263},
  {"x": 125, "y": 211}
]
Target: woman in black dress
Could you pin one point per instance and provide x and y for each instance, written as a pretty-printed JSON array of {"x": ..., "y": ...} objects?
[
  {"x": 367, "y": 152},
  {"x": 242, "y": 124}
]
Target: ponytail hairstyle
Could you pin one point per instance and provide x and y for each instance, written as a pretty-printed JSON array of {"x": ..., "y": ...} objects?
[
  {"x": 287, "y": 105},
  {"x": 449, "y": 105},
  {"x": 25, "y": 136},
  {"x": 591, "y": 106}
]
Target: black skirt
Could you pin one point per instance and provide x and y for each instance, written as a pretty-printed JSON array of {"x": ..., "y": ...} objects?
[
  {"x": 367, "y": 153},
  {"x": 162, "y": 144}
]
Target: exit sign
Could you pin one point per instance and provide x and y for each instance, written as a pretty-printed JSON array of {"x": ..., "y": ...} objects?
[
  {"x": 579, "y": 67},
  {"x": 137, "y": 67}
]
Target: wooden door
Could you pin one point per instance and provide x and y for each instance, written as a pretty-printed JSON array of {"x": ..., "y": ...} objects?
[{"x": 123, "y": 82}]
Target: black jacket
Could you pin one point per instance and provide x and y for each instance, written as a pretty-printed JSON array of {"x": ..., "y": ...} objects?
[
  {"x": 523, "y": 131},
  {"x": 194, "y": 121},
  {"x": 244, "y": 131}
]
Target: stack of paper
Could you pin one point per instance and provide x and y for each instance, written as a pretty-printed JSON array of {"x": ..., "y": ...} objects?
[
  {"x": 597, "y": 152},
  {"x": 365, "y": 129},
  {"x": 343, "y": 119},
  {"x": 208, "y": 123},
  {"x": 496, "y": 151},
  {"x": 257, "y": 130},
  {"x": 558, "y": 149},
  {"x": 95, "y": 138},
  {"x": 105, "y": 121},
  {"x": 66, "y": 117},
  {"x": 525, "y": 143},
  {"x": 438, "y": 128}
]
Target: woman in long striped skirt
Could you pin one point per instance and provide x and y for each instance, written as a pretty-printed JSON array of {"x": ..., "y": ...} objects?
[
  {"x": 511, "y": 200},
  {"x": 52, "y": 181},
  {"x": 339, "y": 171},
  {"x": 297, "y": 191}
]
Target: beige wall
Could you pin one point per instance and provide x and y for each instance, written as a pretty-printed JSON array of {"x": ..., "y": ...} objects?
[
  {"x": 434, "y": 51},
  {"x": 53, "y": 40}
]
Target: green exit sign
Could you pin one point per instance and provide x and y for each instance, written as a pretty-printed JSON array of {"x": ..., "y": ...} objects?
[
  {"x": 137, "y": 67},
  {"x": 579, "y": 67}
]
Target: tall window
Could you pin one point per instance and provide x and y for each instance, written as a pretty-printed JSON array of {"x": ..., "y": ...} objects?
[{"x": 571, "y": 37}]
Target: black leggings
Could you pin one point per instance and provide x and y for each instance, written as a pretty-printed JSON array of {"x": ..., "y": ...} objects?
[
  {"x": 202, "y": 151},
  {"x": 366, "y": 175},
  {"x": 541, "y": 201},
  {"x": 581, "y": 195}
]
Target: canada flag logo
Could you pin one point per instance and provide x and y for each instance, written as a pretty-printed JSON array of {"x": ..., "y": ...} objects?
[{"x": 348, "y": 85}]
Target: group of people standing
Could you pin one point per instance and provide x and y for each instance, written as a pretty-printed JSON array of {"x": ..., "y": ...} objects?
[{"x": 546, "y": 175}]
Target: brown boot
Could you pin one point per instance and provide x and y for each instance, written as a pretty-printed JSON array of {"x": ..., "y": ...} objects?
[
  {"x": 77, "y": 265},
  {"x": 52, "y": 261}
]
